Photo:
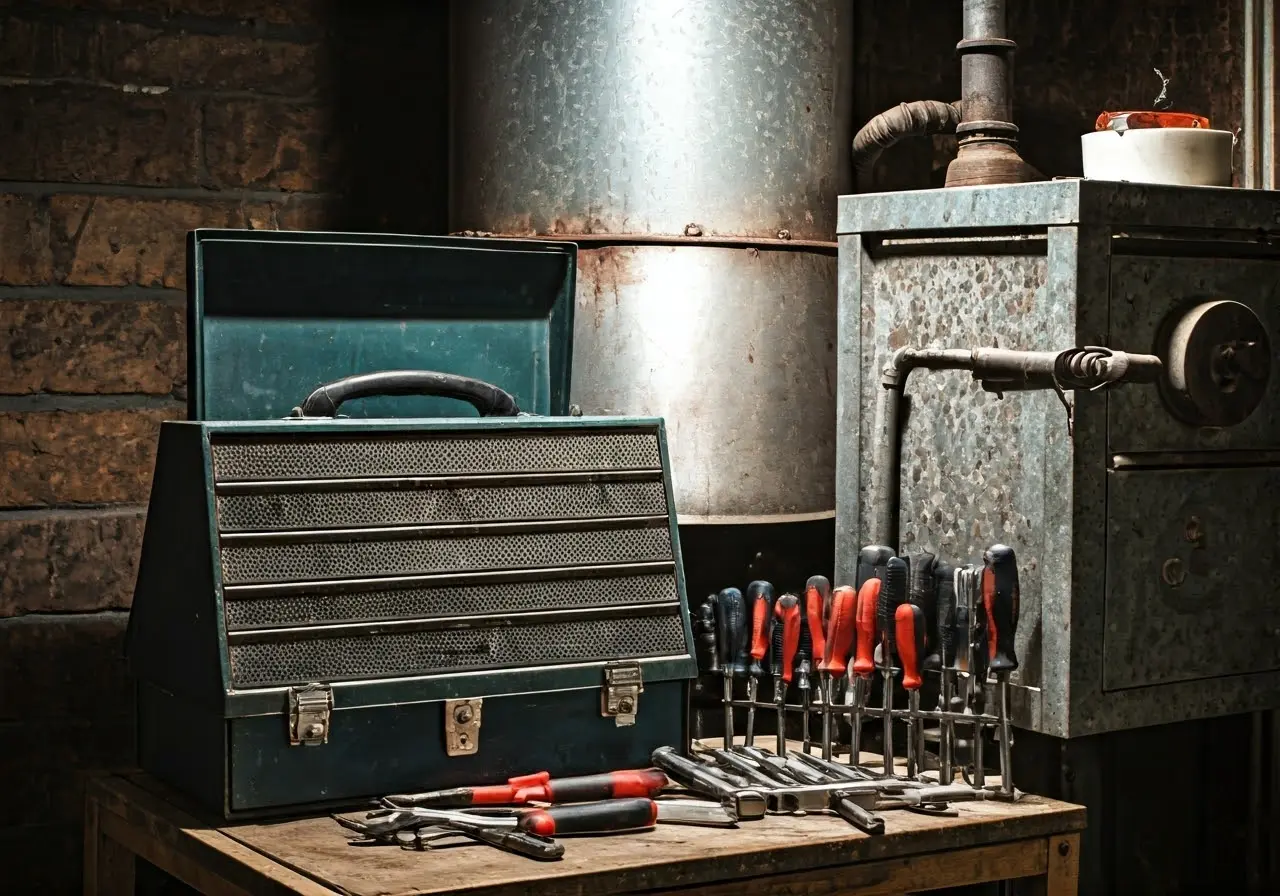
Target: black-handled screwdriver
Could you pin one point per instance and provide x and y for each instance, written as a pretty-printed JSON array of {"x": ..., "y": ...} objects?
[
  {"x": 1000, "y": 600},
  {"x": 892, "y": 595},
  {"x": 731, "y": 643},
  {"x": 944, "y": 575}
]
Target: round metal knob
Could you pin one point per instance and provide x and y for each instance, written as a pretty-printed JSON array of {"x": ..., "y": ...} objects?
[{"x": 1218, "y": 358}]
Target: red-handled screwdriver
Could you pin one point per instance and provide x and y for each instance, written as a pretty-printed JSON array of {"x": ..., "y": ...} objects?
[
  {"x": 490, "y": 795},
  {"x": 817, "y": 594},
  {"x": 864, "y": 663},
  {"x": 1000, "y": 599},
  {"x": 591, "y": 818},
  {"x": 839, "y": 641},
  {"x": 909, "y": 628},
  {"x": 760, "y": 610},
  {"x": 542, "y": 788},
  {"x": 786, "y": 641}
]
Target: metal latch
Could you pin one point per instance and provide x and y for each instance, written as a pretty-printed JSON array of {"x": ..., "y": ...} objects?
[
  {"x": 623, "y": 685},
  {"x": 462, "y": 726},
  {"x": 309, "y": 710}
]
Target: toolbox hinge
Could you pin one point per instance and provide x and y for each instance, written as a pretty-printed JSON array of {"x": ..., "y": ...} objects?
[
  {"x": 623, "y": 685},
  {"x": 309, "y": 711}
]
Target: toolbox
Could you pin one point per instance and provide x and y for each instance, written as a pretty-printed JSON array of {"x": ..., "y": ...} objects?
[{"x": 332, "y": 606}]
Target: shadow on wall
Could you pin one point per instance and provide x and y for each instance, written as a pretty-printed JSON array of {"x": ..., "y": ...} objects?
[
  {"x": 1075, "y": 59},
  {"x": 387, "y": 74}
]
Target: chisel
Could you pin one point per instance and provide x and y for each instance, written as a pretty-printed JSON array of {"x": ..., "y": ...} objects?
[
  {"x": 864, "y": 658},
  {"x": 1000, "y": 599},
  {"x": 892, "y": 595},
  {"x": 760, "y": 610},
  {"x": 817, "y": 592},
  {"x": 909, "y": 637},
  {"x": 839, "y": 641},
  {"x": 731, "y": 640},
  {"x": 786, "y": 644}
]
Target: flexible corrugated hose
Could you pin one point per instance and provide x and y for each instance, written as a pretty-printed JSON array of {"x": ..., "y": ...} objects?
[{"x": 916, "y": 119}]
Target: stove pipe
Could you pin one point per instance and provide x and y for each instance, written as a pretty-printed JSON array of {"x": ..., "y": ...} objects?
[{"x": 982, "y": 118}]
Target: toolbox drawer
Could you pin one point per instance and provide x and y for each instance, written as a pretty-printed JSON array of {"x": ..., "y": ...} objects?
[{"x": 1193, "y": 561}]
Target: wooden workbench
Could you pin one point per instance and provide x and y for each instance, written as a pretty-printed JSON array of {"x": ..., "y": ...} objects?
[{"x": 813, "y": 855}]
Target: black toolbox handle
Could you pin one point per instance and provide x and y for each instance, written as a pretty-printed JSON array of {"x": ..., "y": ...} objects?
[{"x": 486, "y": 398}]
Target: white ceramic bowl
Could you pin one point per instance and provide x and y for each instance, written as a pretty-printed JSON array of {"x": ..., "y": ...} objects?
[{"x": 1191, "y": 157}]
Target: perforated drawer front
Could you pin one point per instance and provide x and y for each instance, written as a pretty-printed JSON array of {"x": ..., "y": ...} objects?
[
  {"x": 350, "y": 556},
  {"x": 311, "y": 560},
  {"x": 432, "y": 454},
  {"x": 374, "y": 655}
]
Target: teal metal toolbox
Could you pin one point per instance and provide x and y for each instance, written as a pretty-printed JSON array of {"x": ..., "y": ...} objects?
[{"x": 332, "y": 606}]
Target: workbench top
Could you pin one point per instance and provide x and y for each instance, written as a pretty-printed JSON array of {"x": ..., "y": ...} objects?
[{"x": 821, "y": 854}]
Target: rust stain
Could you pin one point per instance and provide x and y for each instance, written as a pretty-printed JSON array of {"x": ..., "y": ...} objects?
[
  {"x": 898, "y": 337},
  {"x": 602, "y": 273}
]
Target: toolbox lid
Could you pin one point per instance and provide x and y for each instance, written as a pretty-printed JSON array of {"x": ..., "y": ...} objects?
[{"x": 271, "y": 315}]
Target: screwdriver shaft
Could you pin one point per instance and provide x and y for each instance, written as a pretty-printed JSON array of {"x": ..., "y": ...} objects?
[
  {"x": 752, "y": 685},
  {"x": 855, "y": 722},
  {"x": 1006, "y": 738}
]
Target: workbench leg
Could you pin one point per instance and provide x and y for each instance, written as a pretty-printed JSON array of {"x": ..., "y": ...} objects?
[
  {"x": 1062, "y": 878},
  {"x": 108, "y": 866}
]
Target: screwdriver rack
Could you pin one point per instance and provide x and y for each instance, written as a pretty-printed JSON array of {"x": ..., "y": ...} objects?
[{"x": 910, "y": 620}]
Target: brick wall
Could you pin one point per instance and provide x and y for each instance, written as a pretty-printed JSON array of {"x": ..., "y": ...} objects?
[{"x": 124, "y": 124}]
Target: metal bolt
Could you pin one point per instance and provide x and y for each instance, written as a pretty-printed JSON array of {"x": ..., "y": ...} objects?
[
  {"x": 1064, "y": 848},
  {"x": 462, "y": 739},
  {"x": 784, "y": 234},
  {"x": 315, "y": 729},
  {"x": 693, "y": 230},
  {"x": 1194, "y": 532},
  {"x": 463, "y": 714},
  {"x": 626, "y": 705},
  {"x": 1173, "y": 573}
]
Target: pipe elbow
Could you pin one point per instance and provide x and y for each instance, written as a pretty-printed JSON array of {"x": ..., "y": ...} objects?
[{"x": 916, "y": 119}]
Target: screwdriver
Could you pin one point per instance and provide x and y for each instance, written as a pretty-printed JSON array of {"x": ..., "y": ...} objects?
[
  {"x": 591, "y": 818},
  {"x": 839, "y": 641},
  {"x": 542, "y": 788},
  {"x": 909, "y": 635},
  {"x": 924, "y": 594},
  {"x": 731, "y": 644},
  {"x": 760, "y": 607},
  {"x": 945, "y": 575},
  {"x": 864, "y": 658},
  {"x": 1000, "y": 599},
  {"x": 803, "y": 652},
  {"x": 817, "y": 592},
  {"x": 892, "y": 595},
  {"x": 978, "y": 667},
  {"x": 704, "y": 636},
  {"x": 786, "y": 644},
  {"x": 872, "y": 560}
]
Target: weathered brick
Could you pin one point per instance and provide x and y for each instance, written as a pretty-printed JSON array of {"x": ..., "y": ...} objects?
[
  {"x": 118, "y": 241},
  {"x": 266, "y": 145},
  {"x": 105, "y": 347},
  {"x": 276, "y": 12},
  {"x": 308, "y": 213},
  {"x": 64, "y": 668},
  {"x": 98, "y": 135},
  {"x": 79, "y": 457},
  {"x": 26, "y": 254},
  {"x": 39, "y": 48},
  {"x": 70, "y": 562},
  {"x": 136, "y": 54}
]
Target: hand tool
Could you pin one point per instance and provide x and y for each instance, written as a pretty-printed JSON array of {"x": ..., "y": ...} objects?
[
  {"x": 909, "y": 635},
  {"x": 977, "y": 679},
  {"x": 699, "y": 813},
  {"x": 839, "y": 641},
  {"x": 755, "y": 775},
  {"x": 760, "y": 612},
  {"x": 704, "y": 636},
  {"x": 864, "y": 659},
  {"x": 813, "y": 648},
  {"x": 892, "y": 594},
  {"x": 591, "y": 818},
  {"x": 923, "y": 592},
  {"x": 747, "y": 803},
  {"x": 786, "y": 644},
  {"x": 731, "y": 638},
  {"x": 542, "y": 788},
  {"x": 1000, "y": 600},
  {"x": 945, "y": 574},
  {"x": 872, "y": 560}
]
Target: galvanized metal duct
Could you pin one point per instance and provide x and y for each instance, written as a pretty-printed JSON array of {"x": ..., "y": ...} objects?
[{"x": 694, "y": 151}]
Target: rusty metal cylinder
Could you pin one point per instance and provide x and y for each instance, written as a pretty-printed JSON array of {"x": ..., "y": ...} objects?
[{"x": 694, "y": 151}]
